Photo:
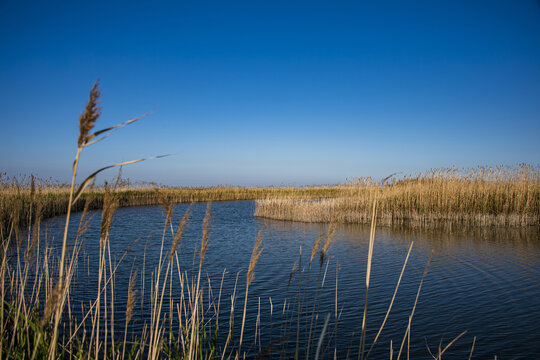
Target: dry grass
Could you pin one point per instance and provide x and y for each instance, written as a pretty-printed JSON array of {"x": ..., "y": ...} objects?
[
  {"x": 18, "y": 201},
  {"x": 502, "y": 196}
]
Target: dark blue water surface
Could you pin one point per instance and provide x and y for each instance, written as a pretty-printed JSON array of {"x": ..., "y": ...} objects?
[{"x": 482, "y": 281}]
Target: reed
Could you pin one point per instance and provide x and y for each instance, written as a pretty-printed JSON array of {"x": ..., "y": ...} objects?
[
  {"x": 16, "y": 193},
  {"x": 502, "y": 196}
]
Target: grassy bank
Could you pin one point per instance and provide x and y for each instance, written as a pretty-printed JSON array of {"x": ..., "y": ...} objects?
[
  {"x": 502, "y": 196},
  {"x": 20, "y": 198}
]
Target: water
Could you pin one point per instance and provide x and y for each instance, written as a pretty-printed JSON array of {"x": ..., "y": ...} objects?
[{"x": 483, "y": 281}]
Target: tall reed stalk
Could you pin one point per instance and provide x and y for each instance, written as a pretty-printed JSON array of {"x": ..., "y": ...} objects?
[
  {"x": 368, "y": 274},
  {"x": 255, "y": 255},
  {"x": 87, "y": 122}
]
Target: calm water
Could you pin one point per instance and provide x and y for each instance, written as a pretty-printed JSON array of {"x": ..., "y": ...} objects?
[{"x": 485, "y": 282}]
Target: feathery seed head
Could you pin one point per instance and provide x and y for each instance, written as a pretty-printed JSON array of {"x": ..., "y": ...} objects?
[
  {"x": 328, "y": 240},
  {"x": 32, "y": 188},
  {"x": 255, "y": 255},
  {"x": 51, "y": 304},
  {"x": 88, "y": 118},
  {"x": 179, "y": 232},
  {"x": 110, "y": 204},
  {"x": 165, "y": 203},
  {"x": 316, "y": 247},
  {"x": 206, "y": 231},
  {"x": 131, "y": 297},
  {"x": 293, "y": 271}
]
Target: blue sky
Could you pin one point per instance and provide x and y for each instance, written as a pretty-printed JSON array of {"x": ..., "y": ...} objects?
[{"x": 271, "y": 92}]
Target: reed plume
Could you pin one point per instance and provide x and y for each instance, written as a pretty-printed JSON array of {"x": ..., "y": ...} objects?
[
  {"x": 166, "y": 204},
  {"x": 328, "y": 240},
  {"x": 30, "y": 254},
  {"x": 91, "y": 113},
  {"x": 255, "y": 255},
  {"x": 132, "y": 292},
  {"x": 179, "y": 232},
  {"x": 51, "y": 305},
  {"x": 316, "y": 246},
  {"x": 205, "y": 233},
  {"x": 110, "y": 204}
]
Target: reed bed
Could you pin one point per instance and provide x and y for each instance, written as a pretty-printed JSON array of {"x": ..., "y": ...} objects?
[
  {"x": 501, "y": 196},
  {"x": 19, "y": 198}
]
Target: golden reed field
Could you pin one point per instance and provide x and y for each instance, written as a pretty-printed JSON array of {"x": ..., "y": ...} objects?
[
  {"x": 502, "y": 196},
  {"x": 483, "y": 196},
  {"x": 28, "y": 197}
]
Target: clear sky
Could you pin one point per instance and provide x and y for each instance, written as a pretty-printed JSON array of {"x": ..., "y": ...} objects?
[{"x": 271, "y": 92}]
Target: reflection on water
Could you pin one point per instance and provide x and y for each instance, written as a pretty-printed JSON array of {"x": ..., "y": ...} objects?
[{"x": 482, "y": 280}]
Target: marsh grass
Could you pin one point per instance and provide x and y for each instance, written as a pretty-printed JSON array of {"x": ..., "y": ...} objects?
[
  {"x": 38, "y": 318},
  {"x": 16, "y": 195},
  {"x": 501, "y": 196}
]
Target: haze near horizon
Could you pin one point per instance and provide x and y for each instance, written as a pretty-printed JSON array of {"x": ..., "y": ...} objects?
[{"x": 271, "y": 93}]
